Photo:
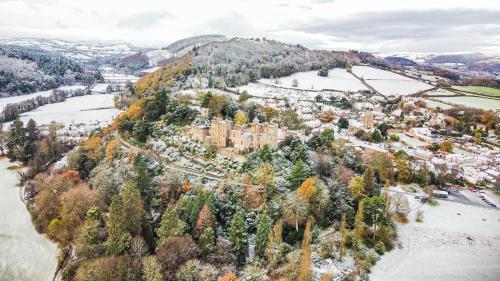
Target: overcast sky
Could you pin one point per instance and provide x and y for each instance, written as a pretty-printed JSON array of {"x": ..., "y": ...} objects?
[{"x": 386, "y": 26}]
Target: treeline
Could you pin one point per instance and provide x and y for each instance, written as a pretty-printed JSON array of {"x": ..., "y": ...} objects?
[
  {"x": 26, "y": 70},
  {"x": 240, "y": 61},
  {"x": 34, "y": 150},
  {"x": 12, "y": 110},
  {"x": 137, "y": 120},
  {"x": 481, "y": 81}
]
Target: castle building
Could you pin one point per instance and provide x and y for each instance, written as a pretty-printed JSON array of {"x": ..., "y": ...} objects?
[{"x": 224, "y": 133}]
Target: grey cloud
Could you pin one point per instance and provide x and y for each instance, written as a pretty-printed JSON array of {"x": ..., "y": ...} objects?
[
  {"x": 427, "y": 25},
  {"x": 406, "y": 24},
  {"x": 143, "y": 20},
  {"x": 234, "y": 24}
]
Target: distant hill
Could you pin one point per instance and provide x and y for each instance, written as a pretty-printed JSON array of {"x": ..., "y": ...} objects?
[
  {"x": 473, "y": 61},
  {"x": 153, "y": 58},
  {"x": 457, "y": 58},
  {"x": 185, "y": 45},
  {"x": 239, "y": 61},
  {"x": 81, "y": 51},
  {"x": 393, "y": 60},
  {"x": 27, "y": 69}
]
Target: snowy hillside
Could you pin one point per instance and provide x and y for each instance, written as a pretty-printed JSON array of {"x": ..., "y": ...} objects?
[{"x": 77, "y": 50}]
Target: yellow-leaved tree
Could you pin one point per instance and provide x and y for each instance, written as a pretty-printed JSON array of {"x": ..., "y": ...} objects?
[
  {"x": 358, "y": 224},
  {"x": 241, "y": 117},
  {"x": 307, "y": 189},
  {"x": 93, "y": 146},
  {"x": 112, "y": 151},
  {"x": 135, "y": 111},
  {"x": 357, "y": 187}
]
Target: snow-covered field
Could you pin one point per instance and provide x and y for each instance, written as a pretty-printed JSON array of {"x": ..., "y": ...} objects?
[
  {"x": 264, "y": 90},
  {"x": 83, "y": 109},
  {"x": 24, "y": 254},
  {"x": 454, "y": 242},
  {"x": 389, "y": 83},
  {"x": 119, "y": 78},
  {"x": 440, "y": 92},
  {"x": 338, "y": 79},
  {"x": 437, "y": 104},
  {"x": 100, "y": 87},
  {"x": 16, "y": 99},
  {"x": 476, "y": 102},
  {"x": 369, "y": 73}
]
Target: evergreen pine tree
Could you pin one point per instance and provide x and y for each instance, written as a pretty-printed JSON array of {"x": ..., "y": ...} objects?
[
  {"x": 118, "y": 237},
  {"x": 170, "y": 225},
  {"x": 369, "y": 182},
  {"x": 264, "y": 227},
  {"x": 207, "y": 240},
  {"x": 300, "y": 172},
  {"x": 133, "y": 208},
  {"x": 238, "y": 236}
]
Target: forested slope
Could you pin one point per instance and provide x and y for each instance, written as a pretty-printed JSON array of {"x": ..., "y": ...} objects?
[{"x": 26, "y": 70}]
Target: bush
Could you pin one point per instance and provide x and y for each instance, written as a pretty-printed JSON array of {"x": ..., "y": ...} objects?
[
  {"x": 208, "y": 272},
  {"x": 326, "y": 276},
  {"x": 380, "y": 248},
  {"x": 177, "y": 251},
  {"x": 420, "y": 216},
  {"x": 433, "y": 202},
  {"x": 402, "y": 218},
  {"x": 326, "y": 248},
  {"x": 189, "y": 271}
]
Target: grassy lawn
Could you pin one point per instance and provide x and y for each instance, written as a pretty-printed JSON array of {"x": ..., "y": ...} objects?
[{"x": 480, "y": 90}]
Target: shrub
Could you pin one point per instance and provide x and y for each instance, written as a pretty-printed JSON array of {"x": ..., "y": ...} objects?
[
  {"x": 420, "y": 216},
  {"x": 189, "y": 271},
  {"x": 327, "y": 246},
  {"x": 176, "y": 251},
  {"x": 402, "y": 218},
  {"x": 380, "y": 248},
  {"x": 229, "y": 277},
  {"x": 326, "y": 276},
  {"x": 104, "y": 268},
  {"x": 433, "y": 202},
  {"x": 208, "y": 272}
]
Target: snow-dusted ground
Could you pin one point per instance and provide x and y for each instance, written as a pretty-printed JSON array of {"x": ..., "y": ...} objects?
[
  {"x": 263, "y": 90},
  {"x": 440, "y": 92},
  {"x": 24, "y": 254},
  {"x": 470, "y": 101},
  {"x": 338, "y": 79},
  {"x": 119, "y": 78},
  {"x": 454, "y": 242},
  {"x": 437, "y": 104},
  {"x": 389, "y": 83},
  {"x": 16, "y": 99},
  {"x": 76, "y": 110},
  {"x": 369, "y": 73},
  {"x": 100, "y": 87}
]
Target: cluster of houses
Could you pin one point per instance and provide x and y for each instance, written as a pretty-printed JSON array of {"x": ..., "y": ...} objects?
[{"x": 471, "y": 161}]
